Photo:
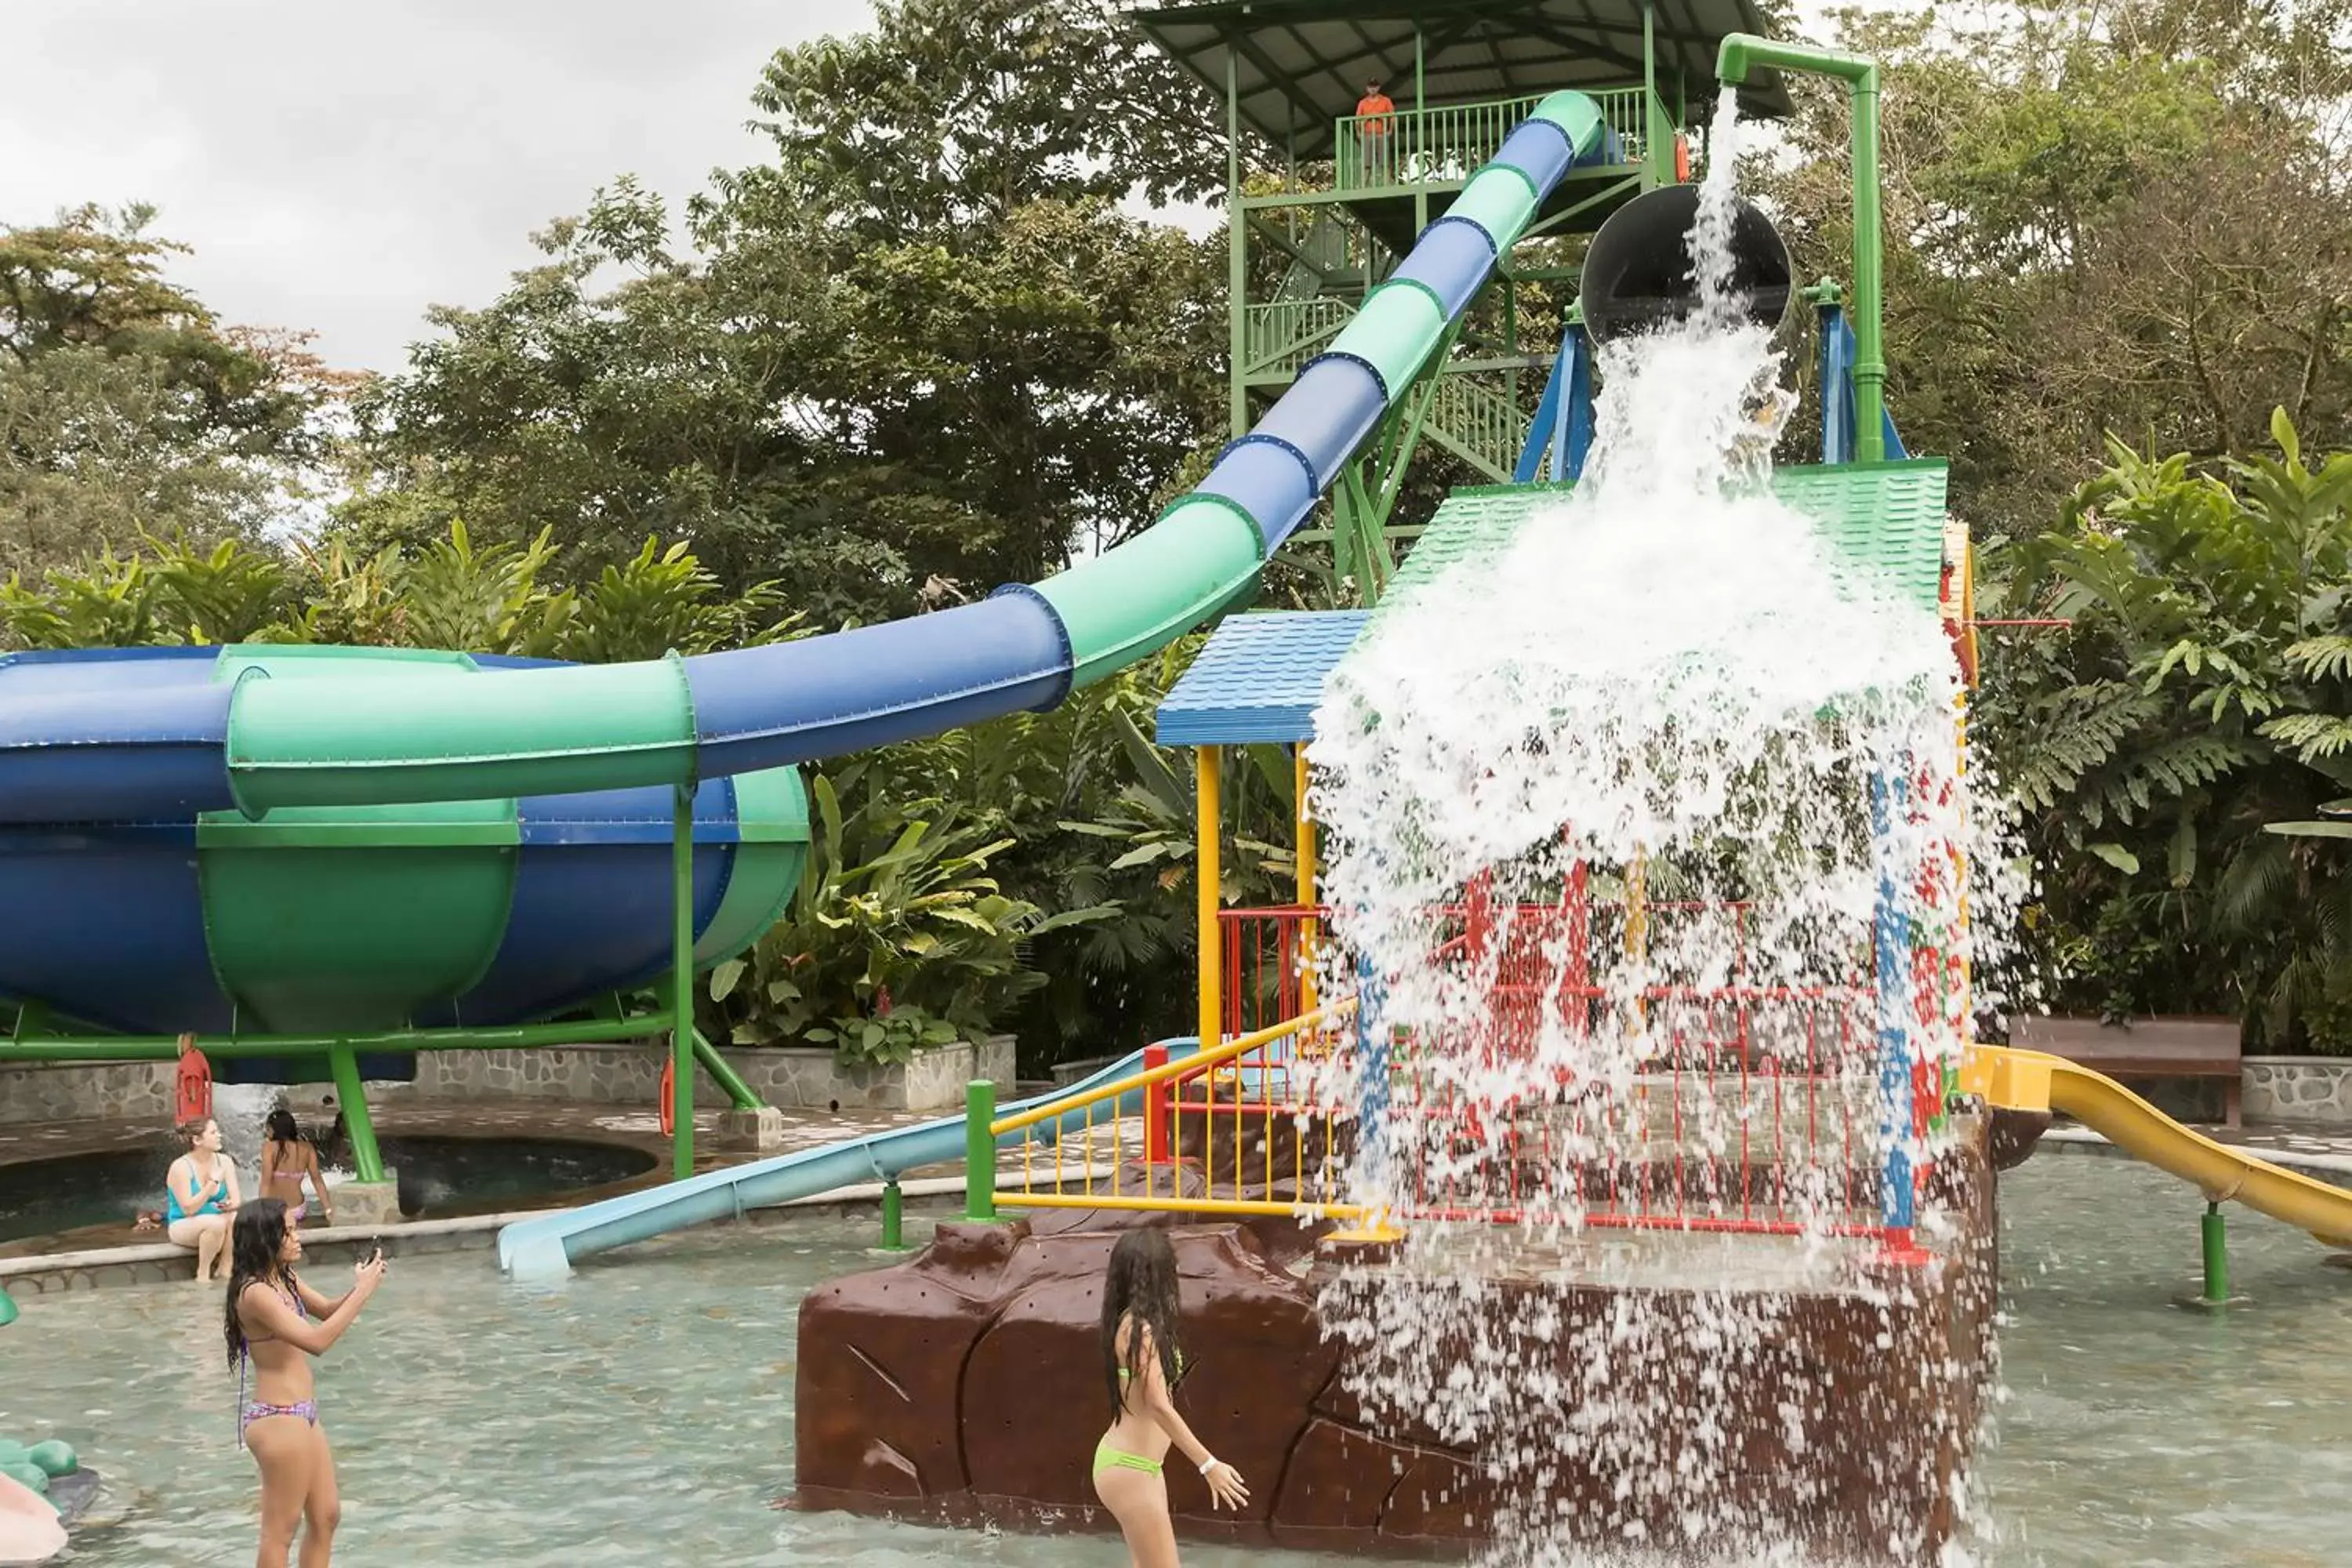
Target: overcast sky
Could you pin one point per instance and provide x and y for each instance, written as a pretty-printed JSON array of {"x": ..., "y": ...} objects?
[{"x": 341, "y": 166}]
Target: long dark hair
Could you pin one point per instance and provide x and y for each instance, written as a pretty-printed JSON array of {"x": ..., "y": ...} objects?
[
  {"x": 280, "y": 1127},
  {"x": 255, "y": 1242},
  {"x": 1140, "y": 1288}
]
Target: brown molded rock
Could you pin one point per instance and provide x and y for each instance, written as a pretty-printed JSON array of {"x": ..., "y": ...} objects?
[
  {"x": 1843, "y": 1428},
  {"x": 881, "y": 1359},
  {"x": 1258, "y": 1354}
]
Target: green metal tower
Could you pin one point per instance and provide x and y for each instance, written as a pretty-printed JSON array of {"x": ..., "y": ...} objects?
[{"x": 1329, "y": 201}]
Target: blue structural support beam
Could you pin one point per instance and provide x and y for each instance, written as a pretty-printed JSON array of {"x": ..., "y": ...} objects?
[
  {"x": 1837, "y": 393},
  {"x": 1563, "y": 430},
  {"x": 1891, "y": 949}
]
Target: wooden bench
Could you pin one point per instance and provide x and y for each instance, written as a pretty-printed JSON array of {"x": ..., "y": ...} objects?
[{"x": 2145, "y": 1048}]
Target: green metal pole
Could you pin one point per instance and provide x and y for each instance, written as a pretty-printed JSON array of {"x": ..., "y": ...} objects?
[
  {"x": 147, "y": 1048},
  {"x": 682, "y": 1030},
  {"x": 2217, "y": 1255},
  {"x": 894, "y": 1216},
  {"x": 1656, "y": 166},
  {"x": 739, "y": 1093},
  {"x": 1740, "y": 53},
  {"x": 367, "y": 1160},
  {"x": 979, "y": 1151},
  {"x": 1237, "y": 251}
]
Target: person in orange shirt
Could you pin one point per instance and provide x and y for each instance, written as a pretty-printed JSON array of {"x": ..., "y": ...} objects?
[{"x": 1373, "y": 123}]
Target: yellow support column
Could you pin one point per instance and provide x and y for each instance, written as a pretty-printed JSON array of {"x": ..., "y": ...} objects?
[
  {"x": 1303, "y": 844},
  {"x": 1207, "y": 810}
]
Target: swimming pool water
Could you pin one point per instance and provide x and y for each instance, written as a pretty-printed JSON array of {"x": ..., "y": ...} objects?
[
  {"x": 42, "y": 1198},
  {"x": 640, "y": 1412}
]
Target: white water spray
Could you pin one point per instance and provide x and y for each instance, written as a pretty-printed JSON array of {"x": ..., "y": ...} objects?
[{"x": 1600, "y": 832}]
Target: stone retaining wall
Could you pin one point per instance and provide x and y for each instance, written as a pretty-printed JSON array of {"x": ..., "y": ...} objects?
[
  {"x": 81, "y": 1091},
  {"x": 2313, "y": 1091},
  {"x": 624, "y": 1074}
]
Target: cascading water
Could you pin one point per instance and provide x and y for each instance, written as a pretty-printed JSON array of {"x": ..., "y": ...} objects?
[
  {"x": 241, "y": 1109},
  {"x": 1622, "y": 827}
]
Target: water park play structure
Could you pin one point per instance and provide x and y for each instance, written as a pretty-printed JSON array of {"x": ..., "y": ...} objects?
[{"x": 320, "y": 862}]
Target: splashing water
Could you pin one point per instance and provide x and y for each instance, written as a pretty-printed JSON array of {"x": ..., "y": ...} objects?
[{"x": 1614, "y": 818}]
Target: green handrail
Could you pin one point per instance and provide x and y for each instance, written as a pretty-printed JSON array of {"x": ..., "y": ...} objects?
[
  {"x": 1446, "y": 143},
  {"x": 1742, "y": 53}
]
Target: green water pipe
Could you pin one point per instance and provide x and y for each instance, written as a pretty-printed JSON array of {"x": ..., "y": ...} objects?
[
  {"x": 152, "y": 1049},
  {"x": 980, "y": 1151},
  {"x": 894, "y": 1216},
  {"x": 681, "y": 1024},
  {"x": 730, "y": 1082},
  {"x": 1742, "y": 53},
  {"x": 2217, "y": 1255}
]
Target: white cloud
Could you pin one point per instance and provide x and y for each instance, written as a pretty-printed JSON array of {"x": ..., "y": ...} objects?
[{"x": 341, "y": 167}]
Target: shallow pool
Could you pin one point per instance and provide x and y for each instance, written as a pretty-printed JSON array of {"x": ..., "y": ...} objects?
[
  {"x": 640, "y": 1412},
  {"x": 43, "y": 1197}
]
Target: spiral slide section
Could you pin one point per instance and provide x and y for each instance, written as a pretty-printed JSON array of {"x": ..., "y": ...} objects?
[
  {"x": 2033, "y": 1081},
  {"x": 166, "y": 750}
]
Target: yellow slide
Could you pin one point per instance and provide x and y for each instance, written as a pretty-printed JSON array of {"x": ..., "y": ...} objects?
[{"x": 2033, "y": 1081}]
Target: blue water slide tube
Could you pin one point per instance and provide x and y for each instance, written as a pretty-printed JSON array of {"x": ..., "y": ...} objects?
[
  {"x": 546, "y": 1245},
  {"x": 75, "y": 752}
]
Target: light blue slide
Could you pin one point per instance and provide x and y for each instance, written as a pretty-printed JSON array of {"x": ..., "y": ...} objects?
[{"x": 546, "y": 1245}]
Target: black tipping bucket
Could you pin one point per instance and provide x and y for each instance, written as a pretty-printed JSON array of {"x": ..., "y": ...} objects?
[{"x": 1638, "y": 274}]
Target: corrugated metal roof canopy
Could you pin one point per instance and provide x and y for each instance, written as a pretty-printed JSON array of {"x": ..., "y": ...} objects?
[{"x": 1302, "y": 64}]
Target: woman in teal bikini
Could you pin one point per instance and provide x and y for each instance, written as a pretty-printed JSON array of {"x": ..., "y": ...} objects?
[
  {"x": 1141, "y": 1366},
  {"x": 199, "y": 1197},
  {"x": 277, "y": 1324}
]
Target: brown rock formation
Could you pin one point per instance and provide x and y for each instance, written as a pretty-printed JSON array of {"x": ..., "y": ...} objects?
[{"x": 966, "y": 1384}]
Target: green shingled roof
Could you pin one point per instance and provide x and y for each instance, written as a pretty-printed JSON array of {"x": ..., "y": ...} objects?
[{"x": 1885, "y": 518}]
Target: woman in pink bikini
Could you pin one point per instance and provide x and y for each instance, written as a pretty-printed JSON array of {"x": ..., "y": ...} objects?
[
  {"x": 286, "y": 1157},
  {"x": 277, "y": 1324},
  {"x": 1141, "y": 1367}
]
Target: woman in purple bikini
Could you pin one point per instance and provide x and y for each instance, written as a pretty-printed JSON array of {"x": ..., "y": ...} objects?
[{"x": 278, "y": 1323}]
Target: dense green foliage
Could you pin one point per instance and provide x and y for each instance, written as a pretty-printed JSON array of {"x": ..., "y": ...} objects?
[
  {"x": 2201, "y": 696},
  {"x": 446, "y": 594}
]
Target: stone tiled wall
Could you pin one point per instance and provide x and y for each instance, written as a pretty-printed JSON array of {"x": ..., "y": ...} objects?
[
  {"x": 77, "y": 1091},
  {"x": 2314, "y": 1090},
  {"x": 583, "y": 1075},
  {"x": 631, "y": 1075}
]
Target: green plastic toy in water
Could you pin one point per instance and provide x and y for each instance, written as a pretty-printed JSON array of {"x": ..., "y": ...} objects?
[{"x": 53, "y": 1458}]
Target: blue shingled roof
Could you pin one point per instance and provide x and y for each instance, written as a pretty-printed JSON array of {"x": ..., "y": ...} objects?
[{"x": 1258, "y": 679}]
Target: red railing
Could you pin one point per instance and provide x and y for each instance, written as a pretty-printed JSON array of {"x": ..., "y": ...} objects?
[{"x": 1734, "y": 1106}]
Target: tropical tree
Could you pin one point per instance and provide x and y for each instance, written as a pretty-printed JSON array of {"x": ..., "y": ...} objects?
[
  {"x": 2125, "y": 217},
  {"x": 921, "y": 350},
  {"x": 128, "y": 408},
  {"x": 2201, "y": 692}
]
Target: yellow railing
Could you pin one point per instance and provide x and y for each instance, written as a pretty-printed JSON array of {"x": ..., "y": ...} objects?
[{"x": 1224, "y": 1130}]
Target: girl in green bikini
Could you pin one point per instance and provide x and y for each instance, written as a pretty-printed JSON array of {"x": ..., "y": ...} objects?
[{"x": 1141, "y": 1366}]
